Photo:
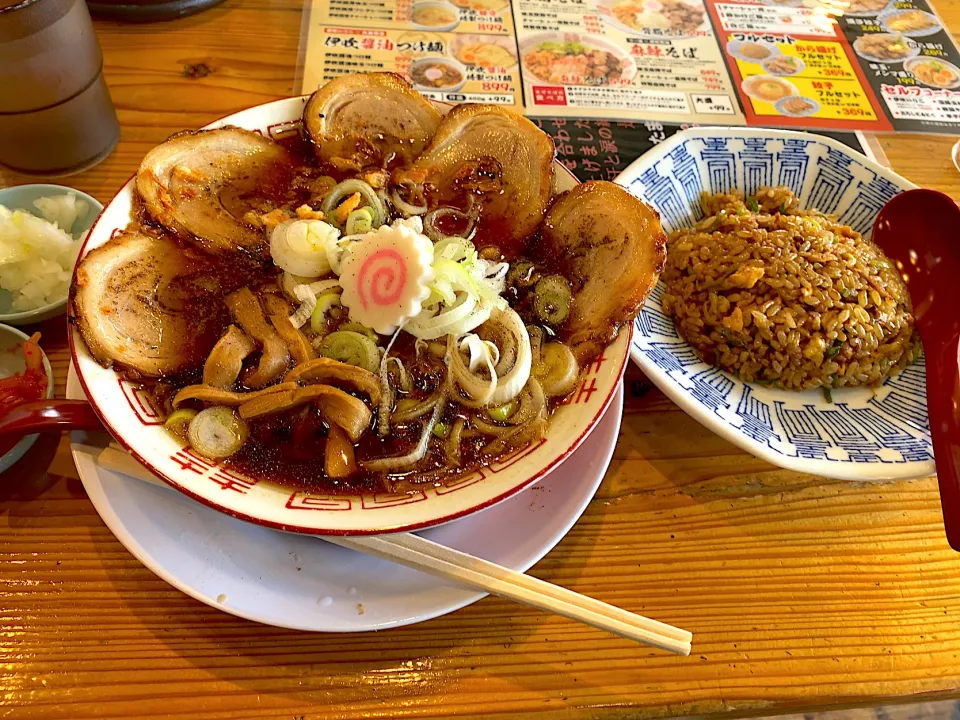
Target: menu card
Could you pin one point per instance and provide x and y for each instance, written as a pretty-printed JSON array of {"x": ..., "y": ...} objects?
[{"x": 845, "y": 65}]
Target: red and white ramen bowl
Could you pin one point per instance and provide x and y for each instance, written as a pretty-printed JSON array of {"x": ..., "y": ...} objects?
[{"x": 128, "y": 415}]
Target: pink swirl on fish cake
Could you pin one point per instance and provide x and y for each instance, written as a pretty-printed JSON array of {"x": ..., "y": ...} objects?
[{"x": 385, "y": 274}]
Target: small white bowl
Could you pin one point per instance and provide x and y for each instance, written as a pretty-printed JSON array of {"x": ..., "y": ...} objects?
[
  {"x": 439, "y": 4},
  {"x": 10, "y": 341},
  {"x": 21, "y": 197},
  {"x": 440, "y": 60}
]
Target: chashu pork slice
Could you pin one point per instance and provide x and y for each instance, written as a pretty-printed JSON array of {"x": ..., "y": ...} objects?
[
  {"x": 371, "y": 119},
  {"x": 138, "y": 308},
  {"x": 611, "y": 247},
  {"x": 488, "y": 158},
  {"x": 201, "y": 185}
]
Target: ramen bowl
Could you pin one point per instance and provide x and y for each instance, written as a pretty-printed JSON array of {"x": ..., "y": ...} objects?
[
  {"x": 556, "y": 42},
  {"x": 130, "y": 416},
  {"x": 449, "y": 73}
]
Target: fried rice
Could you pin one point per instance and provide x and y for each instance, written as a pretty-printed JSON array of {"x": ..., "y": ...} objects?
[{"x": 787, "y": 297}]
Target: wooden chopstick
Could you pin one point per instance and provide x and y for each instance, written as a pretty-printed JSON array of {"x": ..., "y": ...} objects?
[
  {"x": 430, "y": 557},
  {"x": 473, "y": 572}
]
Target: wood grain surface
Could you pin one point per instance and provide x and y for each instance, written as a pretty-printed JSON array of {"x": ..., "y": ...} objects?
[{"x": 802, "y": 593}]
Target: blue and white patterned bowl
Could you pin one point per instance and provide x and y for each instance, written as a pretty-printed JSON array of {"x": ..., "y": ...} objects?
[{"x": 864, "y": 433}]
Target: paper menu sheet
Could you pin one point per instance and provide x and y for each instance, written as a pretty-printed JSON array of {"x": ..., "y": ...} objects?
[
  {"x": 843, "y": 65},
  {"x": 584, "y": 59},
  {"x": 424, "y": 55},
  {"x": 470, "y": 58}
]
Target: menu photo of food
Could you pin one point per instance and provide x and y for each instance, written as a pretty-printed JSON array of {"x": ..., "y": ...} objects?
[
  {"x": 485, "y": 51},
  {"x": 752, "y": 51},
  {"x": 781, "y": 65},
  {"x": 656, "y": 18},
  {"x": 576, "y": 59},
  {"x": 437, "y": 73},
  {"x": 436, "y": 15},
  {"x": 885, "y": 47},
  {"x": 466, "y": 68},
  {"x": 859, "y": 8},
  {"x": 767, "y": 56},
  {"x": 768, "y": 88},
  {"x": 934, "y": 72},
  {"x": 910, "y": 22}
]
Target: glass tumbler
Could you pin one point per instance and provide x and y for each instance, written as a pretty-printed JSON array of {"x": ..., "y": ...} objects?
[{"x": 56, "y": 116}]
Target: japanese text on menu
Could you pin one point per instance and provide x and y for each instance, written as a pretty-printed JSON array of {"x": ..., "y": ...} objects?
[{"x": 819, "y": 64}]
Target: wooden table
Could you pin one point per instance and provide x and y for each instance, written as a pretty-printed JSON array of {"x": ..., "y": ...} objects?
[{"x": 801, "y": 592}]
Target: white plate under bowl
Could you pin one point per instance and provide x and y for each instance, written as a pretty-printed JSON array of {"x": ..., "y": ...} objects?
[
  {"x": 865, "y": 433},
  {"x": 302, "y": 582}
]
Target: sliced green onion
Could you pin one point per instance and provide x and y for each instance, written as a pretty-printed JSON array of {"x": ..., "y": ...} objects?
[
  {"x": 360, "y": 221},
  {"x": 753, "y": 205},
  {"x": 217, "y": 432},
  {"x": 717, "y": 220},
  {"x": 557, "y": 369},
  {"x": 731, "y": 338},
  {"x": 827, "y": 394},
  {"x": 368, "y": 197},
  {"x": 783, "y": 208},
  {"x": 522, "y": 274},
  {"x": 318, "y": 320},
  {"x": 179, "y": 420},
  {"x": 456, "y": 275},
  {"x": 834, "y": 350},
  {"x": 351, "y": 348},
  {"x": 552, "y": 298},
  {"x": 503, "y": 412},
  {"x": 453, "y": 248},
  {"x": 362, "y": 329},
  {"x": 441, "y": 430}
]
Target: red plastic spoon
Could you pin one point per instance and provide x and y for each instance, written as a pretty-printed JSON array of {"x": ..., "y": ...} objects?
[
  {"x": 50, "y": 416},
  {"x": 920, "y": 231}
]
